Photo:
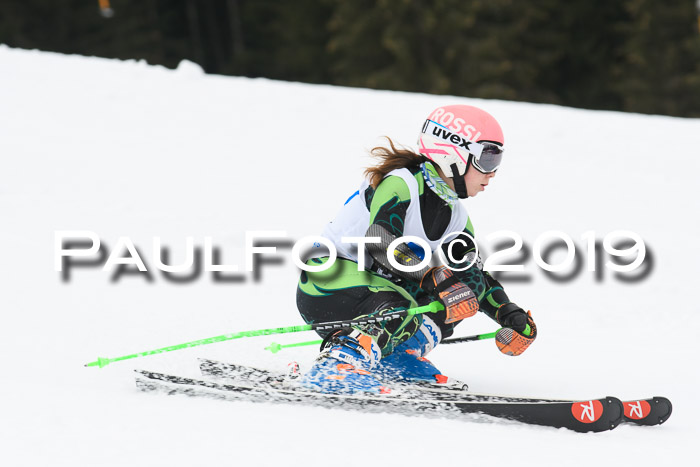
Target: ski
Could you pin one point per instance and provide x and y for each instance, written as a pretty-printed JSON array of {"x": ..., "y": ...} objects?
[
  {"x": 645, "y": 412},
  {"x": 652, "y": 411},
  {"x": 584, "y": 416},
  {"x": 240, "y": 372},
  {"x": 247, "y": 374}
]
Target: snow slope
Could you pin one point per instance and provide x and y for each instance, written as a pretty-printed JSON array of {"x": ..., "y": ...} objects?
[{"x": 125, "y": 149}]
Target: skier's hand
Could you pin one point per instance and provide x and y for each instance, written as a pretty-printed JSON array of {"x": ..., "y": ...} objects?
[
  {"x": 518, "y": 331},
  {"x": 459, "y": 300}
]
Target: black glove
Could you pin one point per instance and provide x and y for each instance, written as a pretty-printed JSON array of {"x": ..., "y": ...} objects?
[
  {"x": 512, "y": 316},
  {"x": 518, "y": 331}
]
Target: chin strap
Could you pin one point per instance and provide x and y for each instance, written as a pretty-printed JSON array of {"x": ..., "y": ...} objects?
[{"x": 460, "y": 186}]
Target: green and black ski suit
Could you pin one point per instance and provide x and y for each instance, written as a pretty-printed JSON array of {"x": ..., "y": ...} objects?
[{"x": 342, "y": 292}]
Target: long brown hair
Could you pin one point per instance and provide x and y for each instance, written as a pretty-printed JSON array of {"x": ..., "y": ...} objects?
[{"x": 391, "y": 158}]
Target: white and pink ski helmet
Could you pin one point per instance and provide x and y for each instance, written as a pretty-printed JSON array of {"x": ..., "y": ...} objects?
[{"x": 455, "y": 136}]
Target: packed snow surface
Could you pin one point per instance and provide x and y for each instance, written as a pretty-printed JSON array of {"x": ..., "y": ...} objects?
[{"x": 125, "y": 149}]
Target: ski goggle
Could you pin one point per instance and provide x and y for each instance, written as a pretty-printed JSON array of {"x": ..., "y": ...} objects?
[
  {"x": 490, "y": 158},
  {"x": 486, "y": 156}
]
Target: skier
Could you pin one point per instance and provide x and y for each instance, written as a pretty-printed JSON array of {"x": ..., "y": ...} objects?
[{"x": 460, "y": 149}]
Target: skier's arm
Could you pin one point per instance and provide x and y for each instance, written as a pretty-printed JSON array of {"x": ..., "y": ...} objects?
[
  {"x": 388, "y": 208},
  {"x": 389, "y": 204},
  {"x": 493, "y": 300},
  {"x": 488, "y": 290}
]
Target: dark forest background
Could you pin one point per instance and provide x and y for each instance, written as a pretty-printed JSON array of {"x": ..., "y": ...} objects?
[{"x": 630, "y": 55}]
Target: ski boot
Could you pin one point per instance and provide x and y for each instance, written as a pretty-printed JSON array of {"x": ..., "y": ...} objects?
[
  {"x": 407, "y": 363},
  {"x": 345, "y": 365}
]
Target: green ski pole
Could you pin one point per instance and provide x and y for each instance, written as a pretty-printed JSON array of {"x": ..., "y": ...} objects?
[
  {"x": 476, "y": 337},
  {"x": 399, "y": 314},
  {"x": 274, "y": 347}
]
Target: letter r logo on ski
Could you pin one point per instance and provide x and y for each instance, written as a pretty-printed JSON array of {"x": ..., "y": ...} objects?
[
  {"x": 588, "y": 411},
  {"x": 637, "y": 410}
]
